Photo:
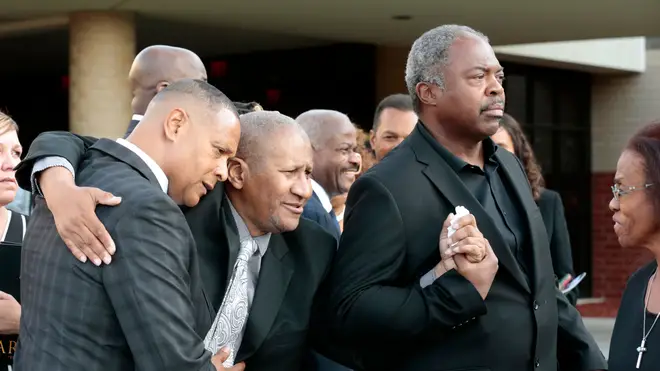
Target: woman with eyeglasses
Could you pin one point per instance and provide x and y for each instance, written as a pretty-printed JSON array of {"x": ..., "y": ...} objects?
[
  {"x": 635, "y": 343},
  {"x": 12, "y": 229}
]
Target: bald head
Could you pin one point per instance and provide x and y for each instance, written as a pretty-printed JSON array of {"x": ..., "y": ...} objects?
[
  {"x": 321, "y": 125},
  {"x": 260, "y": 134},
  {"x": 157, "y": 66}
]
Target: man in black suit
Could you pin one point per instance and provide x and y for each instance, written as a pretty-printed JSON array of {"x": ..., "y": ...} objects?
[
  {"x": 336, "y": 162},
  {"x": 390, "y": 288},
  {"x": 268, "y": 184},
  {"x": 147, "y": 310}
]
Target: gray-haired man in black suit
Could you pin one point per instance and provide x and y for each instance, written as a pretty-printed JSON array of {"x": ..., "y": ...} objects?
[{"x": 146, "y": 311}]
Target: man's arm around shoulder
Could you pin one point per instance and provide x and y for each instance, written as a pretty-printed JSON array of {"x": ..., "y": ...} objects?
[
  {"x": 149, "y": 286},
  {"x": 371, "y": 256},
  {"x": 53, "y": 148}
]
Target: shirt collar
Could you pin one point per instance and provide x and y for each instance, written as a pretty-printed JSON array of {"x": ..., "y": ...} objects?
[
  {"x": 456, "y": 163},
  {"x": 151, "y": 164},
  {"x": 244, "y": 233},
  {"x": 322, "y": 195},
  {"x": 137, "y": 117}
]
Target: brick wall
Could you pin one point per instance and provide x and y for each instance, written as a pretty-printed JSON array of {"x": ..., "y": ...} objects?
[{"x": 620, "y": 105}]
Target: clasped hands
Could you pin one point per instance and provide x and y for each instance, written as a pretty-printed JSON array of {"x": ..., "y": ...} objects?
[
  {"x": 468, "y": 252},
  {"x": 466, "y": 243}
]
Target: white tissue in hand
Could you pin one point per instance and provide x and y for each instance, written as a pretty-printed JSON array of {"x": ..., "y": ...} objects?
[{"x": 459, "y": 213}]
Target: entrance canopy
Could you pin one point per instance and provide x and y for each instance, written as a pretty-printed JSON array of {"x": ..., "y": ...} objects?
[{"x": 382, "y": 22}]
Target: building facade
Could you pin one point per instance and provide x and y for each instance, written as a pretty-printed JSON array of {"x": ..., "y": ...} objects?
[{"x": 579, "y": 101}]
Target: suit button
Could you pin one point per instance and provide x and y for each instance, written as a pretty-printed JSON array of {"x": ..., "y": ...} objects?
[
  {"x": 537, "y": 364},
  {"x": 536, "y": 305}
]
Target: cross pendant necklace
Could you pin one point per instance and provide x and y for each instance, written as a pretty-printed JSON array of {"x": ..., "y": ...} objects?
[
  {"x": 640, "y": 349},
  {"x": 642, "y": 346}
]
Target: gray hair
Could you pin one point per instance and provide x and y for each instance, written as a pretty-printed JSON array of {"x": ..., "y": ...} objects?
[
  {"x": 430, "y": 54},
  {"x": 257, "y": 130},
  {"x": 318, "y": 122}
]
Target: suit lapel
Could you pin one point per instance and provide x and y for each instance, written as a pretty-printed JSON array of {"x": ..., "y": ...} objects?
[
  {"x": 127, "y": 156},
  {"x": 277, "y": 267},
  {"x": 231, "y": 234},
  {"x": 538, "y": 235},
  {"x": 445, "y": 179}
]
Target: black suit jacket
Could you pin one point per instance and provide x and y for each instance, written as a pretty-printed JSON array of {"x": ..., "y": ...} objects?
[
  {"x": 295, "y": 264},
  {"x": 552, "y": 211},
  {"x": 394, "y": 217},
  {"x": 315, "y": 211},
  {"x": 145, "y": 311}
]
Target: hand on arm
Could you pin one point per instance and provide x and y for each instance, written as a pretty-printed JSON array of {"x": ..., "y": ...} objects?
[
  {"x": 73, "y": 209},
  {"x": 51, "y": 161}
]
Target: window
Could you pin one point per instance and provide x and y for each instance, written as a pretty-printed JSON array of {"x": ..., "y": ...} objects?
[{"x": 553, "y": 107}]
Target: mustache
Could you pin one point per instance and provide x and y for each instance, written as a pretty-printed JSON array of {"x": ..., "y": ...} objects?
[{"x": 499, "y": 102}]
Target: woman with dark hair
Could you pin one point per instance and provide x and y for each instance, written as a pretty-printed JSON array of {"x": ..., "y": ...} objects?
[
  {"x": 511, "y": 137},
  {"x": 635, "y": 343}
]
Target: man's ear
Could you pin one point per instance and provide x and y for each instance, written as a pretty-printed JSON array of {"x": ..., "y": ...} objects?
[
  {"x": 161, "y": 85},
  {"x": 175, "y": 123},
  {"x": 372, "y": 136},
  {"x": 237, "y": 172},
  {"x": 427, "y": 93}
]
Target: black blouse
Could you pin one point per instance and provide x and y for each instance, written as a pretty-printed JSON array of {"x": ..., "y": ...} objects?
[{"x": 627, "y": 334}]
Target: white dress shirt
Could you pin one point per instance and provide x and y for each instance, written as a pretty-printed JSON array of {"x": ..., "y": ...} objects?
[{"x": 322, "y": 195}]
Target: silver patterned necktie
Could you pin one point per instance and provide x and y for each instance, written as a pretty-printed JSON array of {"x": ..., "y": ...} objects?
[{"x": 229, "y": 323}]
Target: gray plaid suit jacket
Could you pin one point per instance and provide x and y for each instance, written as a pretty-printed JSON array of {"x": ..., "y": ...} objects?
[{"x": 145, "y": 311}]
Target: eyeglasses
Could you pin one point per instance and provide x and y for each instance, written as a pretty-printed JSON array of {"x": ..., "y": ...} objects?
[{"x": 618, "y": 192}]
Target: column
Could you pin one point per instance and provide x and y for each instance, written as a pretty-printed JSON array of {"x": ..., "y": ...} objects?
[{"x": 101, "y": 51}]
